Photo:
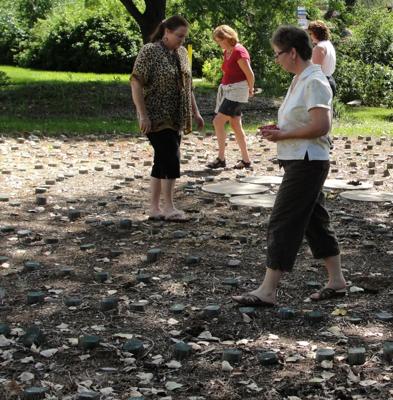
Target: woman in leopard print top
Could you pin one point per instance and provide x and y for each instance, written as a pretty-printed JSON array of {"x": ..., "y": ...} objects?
[{"x": 161, "y": 86}]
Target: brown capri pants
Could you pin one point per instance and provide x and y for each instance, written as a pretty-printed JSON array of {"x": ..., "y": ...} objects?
[{"x": 299, "y": 211}]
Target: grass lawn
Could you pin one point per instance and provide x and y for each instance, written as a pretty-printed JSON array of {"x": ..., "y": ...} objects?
[{"x": 48, "y": 102}]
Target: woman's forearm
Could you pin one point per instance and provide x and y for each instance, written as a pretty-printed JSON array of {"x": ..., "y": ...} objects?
[{"x": 137, "y": 97}]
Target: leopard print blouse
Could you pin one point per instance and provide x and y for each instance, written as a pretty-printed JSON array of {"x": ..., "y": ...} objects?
[{"x": 167, "y": 93}]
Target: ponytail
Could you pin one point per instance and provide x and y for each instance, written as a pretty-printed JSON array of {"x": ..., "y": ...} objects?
[{"x": 171, "y": 23}]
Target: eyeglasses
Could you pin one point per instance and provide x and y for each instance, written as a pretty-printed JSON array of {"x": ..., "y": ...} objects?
[{"x": 276, "y": 55}]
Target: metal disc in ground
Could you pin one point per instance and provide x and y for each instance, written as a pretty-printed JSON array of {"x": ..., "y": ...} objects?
[
  {"x": 367, "y": 195},
  {"x": 254, "y": 200},
  {"x": 347, "y": 184},
  {"x": 234, "y": 188},
  {"x": 263, "y": 180}
]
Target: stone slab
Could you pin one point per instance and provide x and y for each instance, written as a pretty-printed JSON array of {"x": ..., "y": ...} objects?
[
  {"x": 254, "y": 200},
  {"x": 347, "y": 184},
  {"x": 234, "y": 188},
  {"x": 367, "y": 195},
  {"x": 263, "y": 180}
]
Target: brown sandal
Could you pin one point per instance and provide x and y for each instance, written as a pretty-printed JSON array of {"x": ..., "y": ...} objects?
[
  {"x": 250, "y": 300},
  {"x": 328, "y": 293},
  {"x": 217, "y": 163},
  {"x": 242, "y": 165}
]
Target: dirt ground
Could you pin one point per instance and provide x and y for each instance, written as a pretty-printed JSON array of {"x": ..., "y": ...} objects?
[{"x": 107, "y": 180}]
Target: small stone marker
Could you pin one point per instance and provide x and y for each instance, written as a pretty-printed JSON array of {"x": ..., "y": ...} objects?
[
  {"x": 212, "y": 310},
  {"x": 133, "y": 346},
  {"x": 180, "y": 234},
  {"x": 72, "y": 301},
  {"x": 324, "y": 354},
  {"x": 231, "y": 282},
  {"x": 192, "y": 260},
  {"x": 356, "y": 356},
  {"x": 268, "y": 358},
  {"x": 250, "y": 311},
  {"x": 153, "y": 255},
  {"x": 5, "y": 330},
  {"x": 125, "y": 224},
  {"x": 109, "y": 303},
  {"x": 177, "y": 308},
  {"x": 314, "y": 316},
  {"x": 313, "y": 285},
  {"x": 35, "y": 297},
  {"x": 354, "y": 320},
  {"x": 89, "y": 342},
  {"x": 35, "y": 393},
  {"x": 33, "y": 335},
  {"x": 145, "y": 278},
  {"x": 384, "y": 316},
  {"x": 233, "y": 356},
  {"x": 101, "y": 276},
  {"x": 286, "y": 313},
  {"x": 4, "y": 198},
  {"x": 73, "y": 215},
  {"x": 182, "y": 351},
  {"x": 139, "y": 306},
  {"x": 88, "y": 395},
  {"x": 388, "y": 351},
  {"x": 30, "y": 266},
  {"x": 41, "y": 200},
  {"x": 87, "y": 246}
]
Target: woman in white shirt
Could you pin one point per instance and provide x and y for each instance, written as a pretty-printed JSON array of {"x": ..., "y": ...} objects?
[
  {"x": 304, "y": 121},
  {"x": 323, "y": 52}
]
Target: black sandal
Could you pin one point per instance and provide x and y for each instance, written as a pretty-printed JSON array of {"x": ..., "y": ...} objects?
[
  {"x": 217, "y": 163},
  {"x": 242, "y": 165}
]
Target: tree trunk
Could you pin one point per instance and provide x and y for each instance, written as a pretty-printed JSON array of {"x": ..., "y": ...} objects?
[{"x": 149, "y": 20}]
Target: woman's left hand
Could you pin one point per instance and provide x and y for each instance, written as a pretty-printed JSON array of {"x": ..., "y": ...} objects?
[
  {"x": 199, "y": 121},
  {"x": 251, "y": 92}
]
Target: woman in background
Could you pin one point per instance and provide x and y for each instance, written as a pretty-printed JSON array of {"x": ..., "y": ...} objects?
[
  {"x": 323, "y": 52},
  {"x": 162, "y": 92},
  {"x": 237, "y": 85}
]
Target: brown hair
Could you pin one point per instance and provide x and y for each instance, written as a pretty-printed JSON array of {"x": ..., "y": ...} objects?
[
  {"x": 319, "y": 29},
  {"x": 287, "y": 37},
  {"x": 225, "y": 32},
  {"x": 171, "y": 23}
]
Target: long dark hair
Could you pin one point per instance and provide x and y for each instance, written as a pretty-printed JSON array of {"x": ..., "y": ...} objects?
[{"x": 171, "y": 23}]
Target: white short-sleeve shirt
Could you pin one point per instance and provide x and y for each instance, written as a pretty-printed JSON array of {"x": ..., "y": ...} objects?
[
  {"x": 312, "y": 90},
  {"x": 329, "y": 62}
]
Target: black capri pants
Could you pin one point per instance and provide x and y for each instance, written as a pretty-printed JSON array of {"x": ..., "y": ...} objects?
[
  {"x": 299, "y": 210},
  {"x": 166, "y": 145}
]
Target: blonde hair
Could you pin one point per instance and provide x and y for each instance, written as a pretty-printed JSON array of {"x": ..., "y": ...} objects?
[{"x": 225, "y": 32}]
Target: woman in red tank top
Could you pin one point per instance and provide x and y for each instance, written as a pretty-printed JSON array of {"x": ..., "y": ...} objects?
[{"x": 237, "y": 85}]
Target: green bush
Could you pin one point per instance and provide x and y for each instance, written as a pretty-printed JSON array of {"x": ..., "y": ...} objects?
[
  {"x": 372, "y": 37},
  {"x": 75, "y": 38},
  {"x": 372, "y": 84},
  {"x": 11, "y": 34},
  {"x": 4, "y": 79},
  {"x": 211, "y": 70}
]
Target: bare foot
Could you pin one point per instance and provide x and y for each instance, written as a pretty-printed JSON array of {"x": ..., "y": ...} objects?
[{"x": 156, "y": 213}]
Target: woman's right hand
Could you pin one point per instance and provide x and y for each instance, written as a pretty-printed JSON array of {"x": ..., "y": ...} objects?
[{"x": 145, "y": 125}]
